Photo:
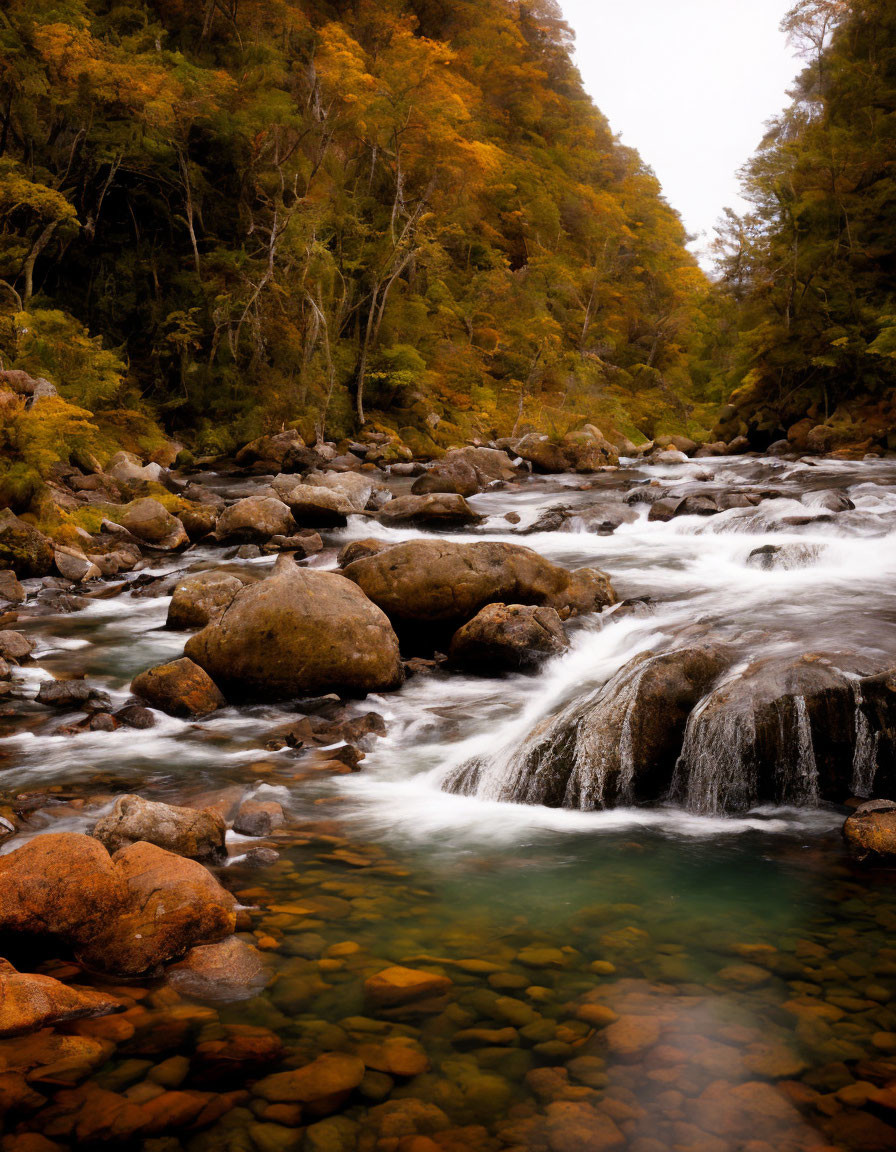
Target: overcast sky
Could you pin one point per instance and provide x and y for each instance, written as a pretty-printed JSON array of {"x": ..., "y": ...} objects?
[{"x": 690, "y": 84}]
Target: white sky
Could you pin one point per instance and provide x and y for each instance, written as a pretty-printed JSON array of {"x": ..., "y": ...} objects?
[{"x": 690, "y": 84}]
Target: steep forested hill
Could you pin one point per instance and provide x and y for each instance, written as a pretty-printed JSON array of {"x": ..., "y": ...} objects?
[
  {"x": 232, "y": 214},
  {"x": 811, "y": 272}
]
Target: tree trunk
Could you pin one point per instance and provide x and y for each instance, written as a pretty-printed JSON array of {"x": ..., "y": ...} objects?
[{"x": 39, "y": 244}]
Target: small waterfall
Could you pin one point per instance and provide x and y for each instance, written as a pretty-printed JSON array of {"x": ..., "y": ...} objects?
[
  {"x": 605, "y": 748},
  {"x": 749, "y": 743},
  {"x": 802, "y": 786},
  {"x": 581, "y": 758},
  {"x": 717, "y": 770},
  {"x": 865, "y": 757},
  {"x": 616, "y": 747}
]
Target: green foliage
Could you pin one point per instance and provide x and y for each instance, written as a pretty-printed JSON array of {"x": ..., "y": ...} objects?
[
  {"x": 52, "y": 344},
  {"x": 810, "y": 268},
  {"x": 34, "y": 440},
  {"x": 296, "y": 211}
]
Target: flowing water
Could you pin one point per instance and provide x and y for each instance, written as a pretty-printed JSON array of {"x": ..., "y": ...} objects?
[{"x": 747, "y": 964}]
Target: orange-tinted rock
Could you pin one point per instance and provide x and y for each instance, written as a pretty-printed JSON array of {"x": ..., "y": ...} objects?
[
  {"x": 29, "y": 1142},
  {"x": 574, "y": 1126},
  {"x": 596, "y": 1015},
  {"x": 180, "y": 688},
  {"x": 871, "y": 829},
  {"x": 172, "y": 905},
  {"x": 409, "y": 1117},
  {"x": 105, "y": 1116},
  {"x": 397, "y": 1057},
  {"x": 399, "y": 985},
  {"x": 66, "y": 1060},
  {"x": 243, "y": 1050},
  {"x": 324, "y": 1085},
  {"x": 744, "y": 975},
  {"x": 118, "y": 1029},
  {"x": 444, "y": 581},
  {"x": 60, "y": 884},
  {"x": 227, "y": 971},
  {"x": 173, "y": 1110},
  {"x": 17, "y": 1095},
  {"x": 726, "y": 1109},
  {"x": 299, "y": 632},
  {"x": 630, "y": 1036},
  {"x": 29, "y": 1002}
]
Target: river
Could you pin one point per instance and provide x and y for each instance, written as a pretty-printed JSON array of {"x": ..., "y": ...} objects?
[{"x": 746, "y": 962}]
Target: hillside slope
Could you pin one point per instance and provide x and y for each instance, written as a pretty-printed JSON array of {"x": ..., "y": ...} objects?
[
  {"x": 240, "y": 214},
  {"x": 811, "y": 271}
]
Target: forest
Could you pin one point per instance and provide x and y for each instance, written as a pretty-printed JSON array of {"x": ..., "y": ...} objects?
[
  {"x": 223, "y": 219},
  {"x": 809, "y": 274}
]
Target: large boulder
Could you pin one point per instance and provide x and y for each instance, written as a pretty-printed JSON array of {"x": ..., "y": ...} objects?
[
  {"x": 199, "y": 598},
  {"x": 617, "y": 746},
  {"x": 153, "y": 524},
  {"x": 197, "y": 834},
  {"x": 24, "y": 384},
  {"x": 29, "y": 1002},
  {"x": 125, "y": 914},
  {"x": 491, "y": 464},
  {"x": 274, "y": 449},
  {"x": 454, "y": 474},
  {"x": 60, "y": 885},
  {"x": 446, "y": 582},
  {"x": 356, "y": 488},
  {"x": 180, "y": 688},
  {"x": 871, "y": 829},
  {"x": 127, "y": 468},
  {"x": 254, "y": 521},
  {"x": 171, "y": 905},
  {"x": 74, "y": 565},
  {"x": 199, "y": 520},
  {"x": 508, "y": 637},
  {"x": 585, "y": 451},
  {"x": 15, "y": 646},
  {"x": 319, "y": 506},
  {"x": 589, "y": 451},
  {"x": 465, "y": 471},
  {"x": 544, "y": 454},
  {"x": 297, "y": 633},
  {"x": 789, "y": 731},
  {"x": 22, "y": 548},
  {"x": 443, "y": 510}
]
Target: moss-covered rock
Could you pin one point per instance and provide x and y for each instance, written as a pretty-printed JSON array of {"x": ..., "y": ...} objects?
[{"x": 22, "y": 548}]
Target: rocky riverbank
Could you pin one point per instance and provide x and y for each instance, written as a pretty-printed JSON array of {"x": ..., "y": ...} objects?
[{"x": 203, "y": 951}]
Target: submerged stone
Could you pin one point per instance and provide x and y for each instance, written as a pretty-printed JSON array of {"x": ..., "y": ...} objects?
[{"x": 29, "y": 1002}]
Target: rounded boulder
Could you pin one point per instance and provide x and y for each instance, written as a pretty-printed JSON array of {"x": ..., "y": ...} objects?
[
  {"x": 299, "y": 632},
  {"x": 198, "y": 834},
  {"x": 509, "y": 637},
  {"x": 180, "y": 688},
  {"x": 199, "y": 598},
  {"x": 443, "y": 581}
]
